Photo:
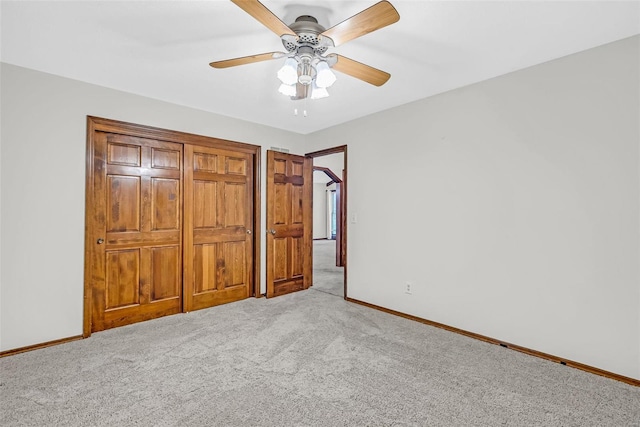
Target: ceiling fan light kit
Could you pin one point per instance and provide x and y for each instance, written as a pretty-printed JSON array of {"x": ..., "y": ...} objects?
[
  {"x": 306, "y": 72},
  {"x": 288, "y": 90},
  {"x": 325, "y": 77},
  {"x": 288, "y": 74},
  {"x": 318, "y": 92}
]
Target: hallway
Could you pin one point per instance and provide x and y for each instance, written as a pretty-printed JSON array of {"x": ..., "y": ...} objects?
[{"x": 326, "y": 276}]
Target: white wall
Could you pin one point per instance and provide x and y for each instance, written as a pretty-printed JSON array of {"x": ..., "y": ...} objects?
[
  {"x": 512, "y": 205},
  {"x": 335, "y": 162},
  {"x": 42, "y": 171},
  {"x": 319, "y": 210}
]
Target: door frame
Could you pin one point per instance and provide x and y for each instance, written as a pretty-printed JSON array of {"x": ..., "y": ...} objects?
[
  {"x": 98, "y": 124},
  {"x": 343, "y": 203}
]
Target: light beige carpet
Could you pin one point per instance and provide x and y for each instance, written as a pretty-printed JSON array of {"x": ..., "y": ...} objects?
[
  {"x": 326, "y": 276},
  {"x": 304, "y": 359}
]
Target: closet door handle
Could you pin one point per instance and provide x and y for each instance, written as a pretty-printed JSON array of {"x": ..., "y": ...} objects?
[
  {"x": 248, "y": 231},
  {"x": 100, "y": 241}
]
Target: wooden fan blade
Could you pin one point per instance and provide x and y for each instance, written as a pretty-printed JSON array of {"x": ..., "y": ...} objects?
[
  {"x": 247, "y": 60},
  {"x": 265, "y": 16},
  {"x": 360, "y": 71},
  {"x": 377, "y": 16}
]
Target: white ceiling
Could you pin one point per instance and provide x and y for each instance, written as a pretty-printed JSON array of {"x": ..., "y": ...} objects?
[{"x": 161, "y": 49}]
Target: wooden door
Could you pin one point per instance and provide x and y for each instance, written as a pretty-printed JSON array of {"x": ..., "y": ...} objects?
[
  {"x": 136, "y": 230},
  {"x": 289, "y": 222},
  {"x": 218, "y": 226}
]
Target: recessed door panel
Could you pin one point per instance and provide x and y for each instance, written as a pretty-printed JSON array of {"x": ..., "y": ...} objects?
[
  {"x": 297, "y": 168},
  {"x": 165, "y": 159},
  {"x": 236, "y": 166},
  {"x": 165, "y": 204},
  {"x": 205, "y": 204},
  {"x": 166, "y": 269},
  {"x": 123, "y": 154},
  {"x": 297, "y": 256},
  {"x": 123, "y": 202},
  {"x": 280, "y": 258},
  {"x": 297, "y": 200},
  {"x": 205, "y": 162},
  {"x": 279, "y": 166},
  {"x": 122, "y": 278},
  {"x": 205, "y": 266},
  {"x": 235, "y": 196},
  {"x": 280, "y": 203},
  {"x": 235, "y": 273}
]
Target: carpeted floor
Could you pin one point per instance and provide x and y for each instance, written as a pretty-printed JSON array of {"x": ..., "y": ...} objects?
[
  {"x": 304, "y": 359},
  {"x": 326, "y": 276}
]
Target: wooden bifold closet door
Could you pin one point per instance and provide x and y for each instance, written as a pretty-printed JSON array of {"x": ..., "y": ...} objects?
[
  {"x": 138, "y": 271},
  {"x": 169, "y": 223},
  {"x": 218, "y": 233}
]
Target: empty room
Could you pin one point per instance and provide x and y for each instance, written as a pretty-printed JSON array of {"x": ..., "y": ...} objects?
[{"x": 319, "y": 213}]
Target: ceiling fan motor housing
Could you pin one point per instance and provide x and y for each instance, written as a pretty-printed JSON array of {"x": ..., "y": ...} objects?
[{"x": 308, "y": 30}]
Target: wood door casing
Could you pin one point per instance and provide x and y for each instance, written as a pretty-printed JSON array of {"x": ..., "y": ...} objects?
[
  {"x": 339, "y": 225},
  {"x": 218, "y": 234},
  {"x": 289, "y": 223},
  {"x": 342, "y": 246},
  {"x": 139, "y": 218}
]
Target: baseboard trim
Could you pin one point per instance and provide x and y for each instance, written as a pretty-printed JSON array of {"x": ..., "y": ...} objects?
[
  {"x": 39, "y": 346},
  {"x": 570, "y": 363}
]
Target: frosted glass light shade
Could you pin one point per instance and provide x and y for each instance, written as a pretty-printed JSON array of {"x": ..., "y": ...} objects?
[
  {"x": 318, "y": 92},
  {"x": 324, "y": 77},
  {"x": 288, "y": 90},
  {"x": 288, "y": 74}
]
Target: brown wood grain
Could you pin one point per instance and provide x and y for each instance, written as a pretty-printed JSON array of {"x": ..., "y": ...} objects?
[
  {"x": 38, "y": 346},
  {"x": 373, "y": 18},
  {"x": 219, "y": 233},
  {"x": 246, "y": 60},
  {"x": 289, "y": 215},
  {"x": 146, "y": 217},
  {"x": 334, "y": 178},
  {"x": 340, "y": 225},
  {"x": 361, "y": 71},
  {"x": 264, "y": 16},
  {"x": 141, "y": 213}
]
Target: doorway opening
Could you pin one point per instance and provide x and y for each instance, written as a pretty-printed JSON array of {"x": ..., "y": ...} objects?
[{"x": 329, "y": 220}]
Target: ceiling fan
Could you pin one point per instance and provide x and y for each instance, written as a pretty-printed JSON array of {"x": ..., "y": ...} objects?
[{"x": 307, "y": 70}]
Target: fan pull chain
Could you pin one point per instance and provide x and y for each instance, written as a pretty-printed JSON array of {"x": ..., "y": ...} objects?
[{"x": 304, "y": 112}]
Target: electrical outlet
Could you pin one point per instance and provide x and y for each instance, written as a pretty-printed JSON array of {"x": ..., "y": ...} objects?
[{"x": 407, "y": 288}]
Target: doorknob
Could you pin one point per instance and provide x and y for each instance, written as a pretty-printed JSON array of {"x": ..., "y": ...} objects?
[
  {"x": 248, "y": 231},
  {"x": 272, "y": 231},
  {"x": 100, "y": 241}
]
